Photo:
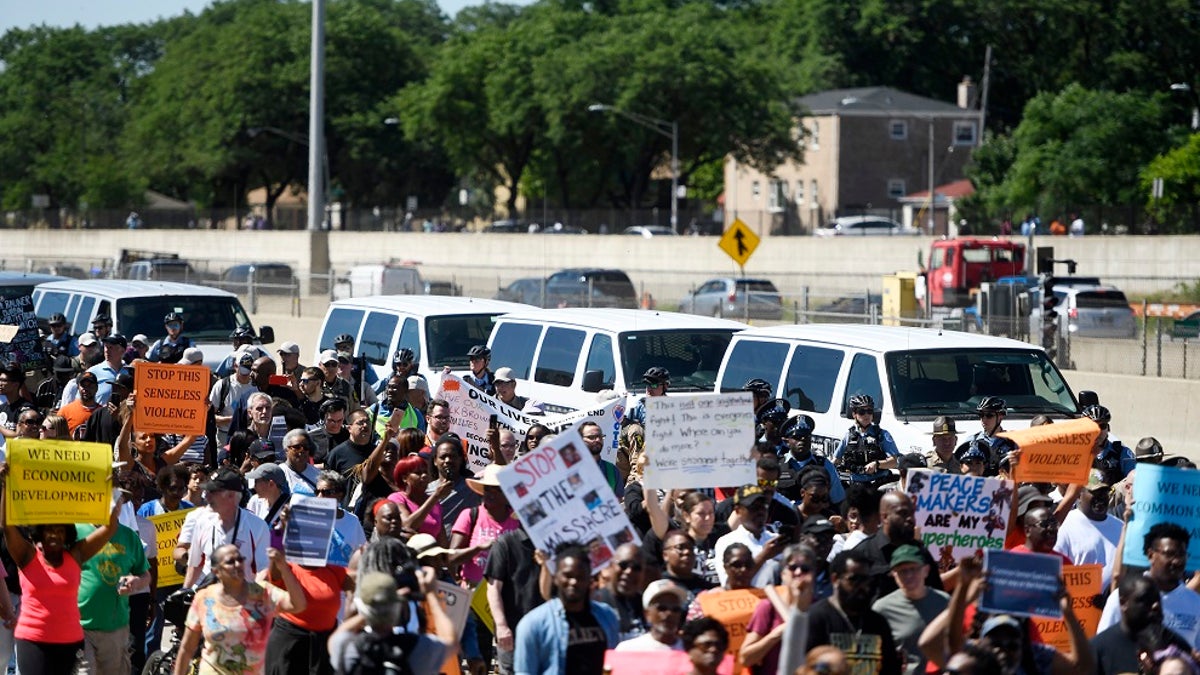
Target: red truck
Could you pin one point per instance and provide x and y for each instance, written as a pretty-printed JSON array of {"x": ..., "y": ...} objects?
[{"x": 958, "y": 266}]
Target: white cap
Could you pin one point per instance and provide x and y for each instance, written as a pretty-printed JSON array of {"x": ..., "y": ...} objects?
[
  {"x": 87, "y": 340},
  {"x": 418, "y": 382},
  {"x": 192, "y": 356},
  {"x": 504, "y": 374},
  {"x": 327, "y": 356},
  {"x": 662, "y": 587},
  {"x": 140, "y": 337},
  {"x": 289, "y": 348}
]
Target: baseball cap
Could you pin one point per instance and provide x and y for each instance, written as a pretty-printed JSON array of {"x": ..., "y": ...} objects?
[
  {"x": 1149, "y": 450},
  {"x": 87, "y": 340},
  {"x": 86, "y": 376},
  {"x": 269, "y": 471},
  {"x": 64, "y": 364},
  {"x": 906, "y": 554},
  {"x": 289, "y": 348},
  {"x": 999, "y": 621},
  {"x": 748, "y": 495},
  {"x": 192, "y": 355},
  {"x": 245, "y": 359},
  {"x": 327, "y": 356},
  {"x": 816, "y": 525},
  {"x": 943, "y": 426},
  {"x": 344, "y": 357},
  {"x": 263, "y": 448},
  {"x": 116, "y": 339},
  {"x": 663, "y": 587},
  {"x": 1097, "y": 481},
  {"x": 225, "y": 479},
  {"x": 418, "y": 382},
  {"x": 140, "y": 338},
  {"x": 377, "y": 590},
  {"x": 504, "y": 374},
  {"x": 1029, "y": 496},
  {"x": 425, "y": 546},
  {"x": 124, "y": 379},
  {"x": 913, "y": 460}
]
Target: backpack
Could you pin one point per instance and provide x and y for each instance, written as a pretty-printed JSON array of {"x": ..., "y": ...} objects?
[{"x": 380, "y": 654}]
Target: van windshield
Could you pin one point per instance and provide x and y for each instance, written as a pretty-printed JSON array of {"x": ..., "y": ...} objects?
[
  {"x": 928, "y": 383},
  {"x": 449, "y": 338},
  {"x": 206, "y": 318},
  {"x": 691, "y": 356}
]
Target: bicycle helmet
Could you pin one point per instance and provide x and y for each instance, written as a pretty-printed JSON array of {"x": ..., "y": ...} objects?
[
  {"x": 57, "y": 319},
  {"x": 1098, "y": 414},
  {"x": 479, "y": 352},
  {"x": 172, "y": 316},
  {"x": 657, "y": 375},
  {"x": 862, "y": 402},
  {"x": 242, "y": 333},
  {"x": 758, "y": 386},
  {"x": 344, "y": 338},
  {"x": 404, "y": 356},
  {"x": 102, "y": 320},
  {"x": 991, "y": 404},
  {"x": 798, "y": 427}
]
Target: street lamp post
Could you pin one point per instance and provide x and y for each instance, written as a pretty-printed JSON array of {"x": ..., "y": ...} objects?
[{"x": 665, "y": 128}]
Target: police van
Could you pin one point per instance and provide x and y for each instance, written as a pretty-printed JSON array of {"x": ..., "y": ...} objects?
[
  {"x": 562, "y": 358},
  {"x": 210, "y": 315},
  {"x": 913, "y": 374}
]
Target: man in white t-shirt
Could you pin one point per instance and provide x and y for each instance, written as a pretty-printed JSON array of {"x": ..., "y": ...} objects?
[
  {"x": 226, "y": 523},
  {"x": 663, "y": 604},
  {"x": 1166, "y": 545},
  {"x": 750, "y": 504},
  {"x": 1089, "y": 535}
]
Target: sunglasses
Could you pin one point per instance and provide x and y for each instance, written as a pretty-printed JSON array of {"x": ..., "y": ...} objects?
[
  {"x": 667, "y": 608},
  {"x": 767, "y": 483},
  {"x": 629, "y": 565}
]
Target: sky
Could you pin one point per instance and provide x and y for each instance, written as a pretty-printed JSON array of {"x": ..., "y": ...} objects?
[{"x": 93, "y": 13}]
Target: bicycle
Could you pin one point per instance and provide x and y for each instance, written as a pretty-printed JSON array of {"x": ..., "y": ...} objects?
[{"x": 175, "y": 611}]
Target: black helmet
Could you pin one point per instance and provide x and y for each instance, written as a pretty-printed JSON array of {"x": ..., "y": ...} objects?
[
  {"x": 57, "y": 318},
  {"x": 758, "y": 386},
  {"x": 775, "y": 411},
  {"x": 102, "y": 320},
  {"x": 798, "y": 427},
  {"x": 657, "y": 375},
  {"x": 1098, "y": 414},
  {"x": 172, "y": 316},
  {"x": 343, "y": 338},
  {"x": 991, "y": 404},
  {"x": 404, "y": 356},
  {"x": 862, "y": 402},
  {"x": 242, "y": 332},
  {"x": 479, "y": 352}
]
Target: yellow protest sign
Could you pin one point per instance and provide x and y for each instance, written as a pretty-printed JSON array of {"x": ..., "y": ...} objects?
[
  {"x": 170, "y": 398},
  {"x": 739, "y": 242},
  {"x": 482, "y": 609},
  {"x": 166, "y": 532},
  {"x": 1055, "y": 453},
  {"x": 52, "y": 481},
  {"x": 1083, "y": 584}
]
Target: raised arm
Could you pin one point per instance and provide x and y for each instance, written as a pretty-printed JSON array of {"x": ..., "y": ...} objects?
[
  {"x": 91, "y": 545},
  {"x": 370, "y": 468},
  {"x": 18, "y": 546},
  {"x": 176, "y": 453},
  {"x": 295, "y": 602}
]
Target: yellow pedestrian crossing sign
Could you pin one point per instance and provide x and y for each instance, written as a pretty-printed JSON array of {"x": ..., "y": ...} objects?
[{"x": 739, "y": 242}]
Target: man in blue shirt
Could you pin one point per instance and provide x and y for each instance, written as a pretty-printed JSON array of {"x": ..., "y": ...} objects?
[{"x": 107, "y": 370}]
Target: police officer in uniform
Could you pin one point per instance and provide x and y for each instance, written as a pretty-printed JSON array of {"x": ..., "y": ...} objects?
[
  {"x": 770, "y": 418},
  {"x": 866, "y": 449},
  {"x": 481, "y": 376},
  {"x": 1112, "y": 457},
  {"x": 170, "y": 349},
  {"x": 59, "y": 342},
  {"x": 991, "y": 411},
  {"x": 945, "y": 439},
  {"x": 797, "y": 435},
  {"x": 657, "y": 380},
  {"x": 760, "y": 389}
]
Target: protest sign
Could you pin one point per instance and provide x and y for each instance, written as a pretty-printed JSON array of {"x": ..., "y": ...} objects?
[
  {"x": 699, "y": 440},
  {"x": 659, "y": 663},
  {"x": 483, "y": 610},
  {"x": 1021, "y": 584},
  {"x": 166, "y": 534},
  {"x": 457, "y": 602},
  {"x": 1055, "y": 453},
  {"x": 560, "y": 495},
  {"x": 1083, "y": 585},
  {"x": 25, "y": 346},
  {"x": 471, "y": 410},
  {"x": 733, "y": 609},
  {"x": 959, "y": 515},
  {"x": 52, "y": 481},
  {"x": 309, "y": 530},
  {"x": 171, "y": 398},
  {"x": 1163, "y": 494}
]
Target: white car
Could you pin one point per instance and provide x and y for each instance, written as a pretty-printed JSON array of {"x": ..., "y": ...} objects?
[
  {"x": 864, "y": 226},
  {"x": 649, "y": 231}
]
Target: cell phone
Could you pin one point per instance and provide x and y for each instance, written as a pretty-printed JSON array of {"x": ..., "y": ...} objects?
[
  {"x": 787, "y": 532},
  {"x": 493, "y": 421}
]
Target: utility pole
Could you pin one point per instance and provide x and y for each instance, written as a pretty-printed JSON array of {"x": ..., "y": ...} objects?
[{"x": 316, "y": 119}]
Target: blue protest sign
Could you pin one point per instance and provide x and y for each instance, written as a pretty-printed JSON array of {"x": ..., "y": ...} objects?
[
  {"x": 1163, "y": 494},
  {"x": 1021, "y": 584},
  {"x": 309, "y": 530}
]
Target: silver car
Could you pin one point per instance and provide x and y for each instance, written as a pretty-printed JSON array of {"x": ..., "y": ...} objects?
[
  {"x": 735, "y": 298},
  {"x": 1096, "y": 311}
]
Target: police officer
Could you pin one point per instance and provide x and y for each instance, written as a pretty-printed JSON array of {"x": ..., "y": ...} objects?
[
  {"x": 657, "y": 379},
  {"x": 760, "y": 389},
  {"x": 770, "y": 418},
  {"x": 866, "y": 449},
  {"x": 1112, "y": 457},
  {"x": 404, "y": 363},
  {"x": 60, "y": 342},
  {"x": 991, "y": 411},
  {"x": 797, "y": 435},
  {"x": 945, "y": 439},
  {"x": 170, "y": 348},
  {"x": 102, "y": 326},
  {"x": 243, "y": 341},
  {"x": 481, "y": 376},
  {"x": 344, "y": 344}
]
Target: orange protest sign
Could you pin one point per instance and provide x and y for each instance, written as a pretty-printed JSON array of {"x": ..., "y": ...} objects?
[
  {"x": 733, "y": 610},
  {"x": 1083, "y": 583},
  {"x": 1055, "y": 453},
  {"x": 170, "y": 398}
]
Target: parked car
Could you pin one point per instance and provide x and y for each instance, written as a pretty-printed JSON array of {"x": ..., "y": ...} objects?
[
  {"x": 528, "y": 290},
  {"x": 851, "y": 308},
  {"x": 435, "y": 287},
  {"x": 270, "y": 278},
  {"x": 735, "y": 298},
  {"x": 649, "y": 231},
  {"x": 68, "y": 271},
  {"x": 506, "y": 227},
  {"x": 1095, "y": 311},
  {"x": 590, "y": 287},
  {"x": 162, "y": 269},
  {"x": 864, "y": 226}
]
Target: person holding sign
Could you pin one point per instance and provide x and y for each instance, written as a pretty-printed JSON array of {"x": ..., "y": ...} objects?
[
  {"x": 1166, "y": 546},
  {"x": 1118, "y": 646},
  {"x": 49, "y": 632},
  {"x": 764, "y": 638}
]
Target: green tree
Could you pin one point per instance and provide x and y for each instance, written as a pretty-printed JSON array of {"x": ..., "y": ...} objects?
[{"x": 1177, "y": 211}]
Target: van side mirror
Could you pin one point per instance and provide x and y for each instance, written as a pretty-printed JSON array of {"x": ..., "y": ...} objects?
[
  {"x": 266, "y": 335},
  {"x": 593, "y": 381}
]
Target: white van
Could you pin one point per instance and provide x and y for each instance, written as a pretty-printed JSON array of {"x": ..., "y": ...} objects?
[
  {"x": 439, "y": 329},
  {"x": 366, "y": 280},
  {"x": 210, "y": 315},
  {"x": 914, "y": 375},
  {"x": 563, "y": 357}
]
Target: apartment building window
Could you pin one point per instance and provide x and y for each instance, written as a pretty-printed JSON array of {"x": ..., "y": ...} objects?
[
  {"x": 812, "y": 194},
  {"x": 755, "y": 190},
  {"x": 964, "y": 133},
  {"x": 898, "y": 130},
  {"x": 895, "y": 188},
  {"x": 815, "y": 144},
  {"x": 800, "y": 191},
  {"x": 777, "y": 198}
]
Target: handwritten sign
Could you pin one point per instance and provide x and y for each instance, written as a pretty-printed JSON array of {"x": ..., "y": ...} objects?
[
  {"x": 25, "y": 347},
  {"x": 733, "y": 609},
  {"x": 1083, "y": 585},
  {"x": 52, "y": 481},
  {"x": 171, "y": 398},
  {"x": 166, "y": 531},
  {"x": 959, "y": 515},
  {"x": 309, "y": 530},
  {"x": 1163, "y": 494},
  {"x": 471, "y": 411},
  {"x": 1021, "y": 584},
  {"x": 1055, "y": 453},
  {"x": 560, "y": 495},
  {"x": 699, "y": 440}
]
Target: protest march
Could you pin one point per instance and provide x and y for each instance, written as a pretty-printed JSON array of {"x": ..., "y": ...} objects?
[{"x": 284, "y": 519}]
